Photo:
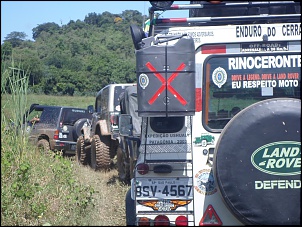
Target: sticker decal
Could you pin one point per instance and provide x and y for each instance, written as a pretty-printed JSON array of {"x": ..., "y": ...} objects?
[
  {"x": 281, "y": 158},
  {"x": 164, "y": 205},
  {"x": 143, "y": 80},
  {"x": 65, "y": 128},
  {"x": 204, "y": 181},
  {"x": 219, "y": 76},
  {"x": 204, "y": 140}
]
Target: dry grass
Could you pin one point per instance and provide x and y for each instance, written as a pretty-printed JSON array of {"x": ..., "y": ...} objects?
[{"x": 109, "y": 197}]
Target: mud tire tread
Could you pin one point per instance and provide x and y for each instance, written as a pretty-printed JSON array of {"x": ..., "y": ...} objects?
[
  {"x": 81, "y": 155},
  {"x": 100, "y": 153},
  {"x": 44, "y": 144}
]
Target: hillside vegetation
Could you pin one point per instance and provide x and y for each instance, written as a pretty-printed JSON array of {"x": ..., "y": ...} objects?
[{"x": 78, "y": 58}]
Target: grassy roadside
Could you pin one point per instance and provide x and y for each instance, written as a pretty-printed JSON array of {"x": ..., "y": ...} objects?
[{"x": 38, "y": 189}]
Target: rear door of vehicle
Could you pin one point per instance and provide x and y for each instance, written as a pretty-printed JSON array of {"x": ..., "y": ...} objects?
[
  {"x": 232, "y": 75},
  {"x": 69, "y": 123}
]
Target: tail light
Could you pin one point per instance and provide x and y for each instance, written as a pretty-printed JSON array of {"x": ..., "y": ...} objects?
[
  {"x": 181, "y": 221},
  {"x": 56, "y": 135},
  {"x": 143, "y": 221},
  {"x": 215, "y": 2},
  {"x": 114, "y": 119},
  {"x": 161, "y": 220},
  {"x": 142, "y": 168}
]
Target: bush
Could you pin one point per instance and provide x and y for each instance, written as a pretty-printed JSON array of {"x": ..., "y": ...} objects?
[{"x": 36, "y": 189}]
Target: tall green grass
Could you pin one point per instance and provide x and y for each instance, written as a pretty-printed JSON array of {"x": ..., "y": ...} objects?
[{"x": 38, "y": 189}]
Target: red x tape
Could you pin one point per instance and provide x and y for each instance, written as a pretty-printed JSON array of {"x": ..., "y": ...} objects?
[{"x": 166, "y": 84}]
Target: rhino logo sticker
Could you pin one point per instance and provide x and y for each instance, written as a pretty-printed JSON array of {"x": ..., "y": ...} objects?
[{"x": 279, "y": 158}]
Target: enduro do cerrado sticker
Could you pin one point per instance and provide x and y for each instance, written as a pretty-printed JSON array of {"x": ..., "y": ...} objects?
[{"x": 278, "y": 158}]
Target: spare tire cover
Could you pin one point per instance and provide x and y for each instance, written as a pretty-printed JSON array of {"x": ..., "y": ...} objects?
[
  {"x": 78, "y": 126},
  {"x": 257, "y": 163}
]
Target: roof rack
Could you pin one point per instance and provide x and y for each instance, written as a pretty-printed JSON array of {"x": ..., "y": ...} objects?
[{"x": 206, "y": 14}]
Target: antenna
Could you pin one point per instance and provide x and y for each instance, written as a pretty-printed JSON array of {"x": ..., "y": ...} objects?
[{"x": 143, "y": 24}]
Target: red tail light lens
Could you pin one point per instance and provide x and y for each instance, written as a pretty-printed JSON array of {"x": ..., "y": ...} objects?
[
  {"x": 161, "y": 220},
  {"x": 142, "y": 168},
  {"x": 56, "y": 135},
  {"x": 143, "y": 221},
  {"x": 181, "y": 221},
  {"x": 114, "y": 119}
]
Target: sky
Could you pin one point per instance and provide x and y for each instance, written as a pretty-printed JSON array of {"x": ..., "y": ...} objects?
[{"x": 23, "y": 16}]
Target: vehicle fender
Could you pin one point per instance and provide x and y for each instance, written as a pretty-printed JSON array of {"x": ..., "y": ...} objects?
[{"x": 103, "y": 127}]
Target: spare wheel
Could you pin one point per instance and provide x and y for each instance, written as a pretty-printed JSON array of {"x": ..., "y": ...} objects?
[
  {"x": 257, "y": 163},
  {"x": 78, "y": 126}
]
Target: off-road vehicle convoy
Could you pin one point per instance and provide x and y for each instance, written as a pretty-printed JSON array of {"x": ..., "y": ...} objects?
[
  {"x": 99, "y": 141},
  {"x": 55, "y": 127},
  {"x": 228, "y": 75}
]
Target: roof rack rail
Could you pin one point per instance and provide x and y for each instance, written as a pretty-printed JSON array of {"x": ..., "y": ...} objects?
[
  {"x": 228, "y": 4},
  {"x": 206, "y": 13}
]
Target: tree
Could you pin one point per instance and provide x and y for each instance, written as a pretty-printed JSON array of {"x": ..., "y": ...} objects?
[
  {"x": 6, "y": 49},
  {"x": 15, "y": 38},
  {"x": 47, "y": 27},
  {"x": 92, "y": 19}
]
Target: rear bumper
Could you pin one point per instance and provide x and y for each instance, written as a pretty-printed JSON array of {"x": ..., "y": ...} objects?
[{"x": 65, "y": 146}]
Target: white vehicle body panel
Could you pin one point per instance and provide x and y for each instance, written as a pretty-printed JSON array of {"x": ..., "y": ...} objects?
[{"x": 205, "y": 193}]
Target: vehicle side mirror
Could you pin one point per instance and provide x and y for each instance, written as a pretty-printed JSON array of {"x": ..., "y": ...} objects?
[
  {"x": 161, "y": 5},
  {"x": 125, "y": 125},
  {"x": 90, "y": 109}
]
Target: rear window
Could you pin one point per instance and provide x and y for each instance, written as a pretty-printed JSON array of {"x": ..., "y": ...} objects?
[
  {"x": 105, "y": 97},
  {"x": 167, "y": 124},
  {"x": 50, "y": 116},
  {"x": 70, "y": 116},
  {"x": 233, "y": 82}
]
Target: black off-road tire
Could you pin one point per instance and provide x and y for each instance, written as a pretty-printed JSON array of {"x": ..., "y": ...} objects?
[
  {"x": 123, "y": 166},
  {"x": 43, "y": 145},
  {"x": 132, "y": 167},
  {"x": 78, "y": 126},
  {"x": 130, "y": 209},
  {"x": 254, "y": 160},
  {"x": 113, "y": 148},
  {"x": 100, "y": 153},
  {"x": 88, "y": 154},
  {"x": 81, "y": 154}
]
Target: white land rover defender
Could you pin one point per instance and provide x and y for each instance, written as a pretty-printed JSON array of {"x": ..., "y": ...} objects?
[{"x": 219, "y": 94}]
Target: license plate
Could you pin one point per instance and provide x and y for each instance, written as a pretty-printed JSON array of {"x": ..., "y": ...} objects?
[
  {"x": 73, "y": 147},
  {"x": 163, "y": 188}
]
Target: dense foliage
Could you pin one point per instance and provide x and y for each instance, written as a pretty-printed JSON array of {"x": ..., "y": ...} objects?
[{"x": 78, "y": 58}]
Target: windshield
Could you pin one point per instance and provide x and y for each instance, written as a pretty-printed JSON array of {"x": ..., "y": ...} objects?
[{"x": 233, "y": 82}]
